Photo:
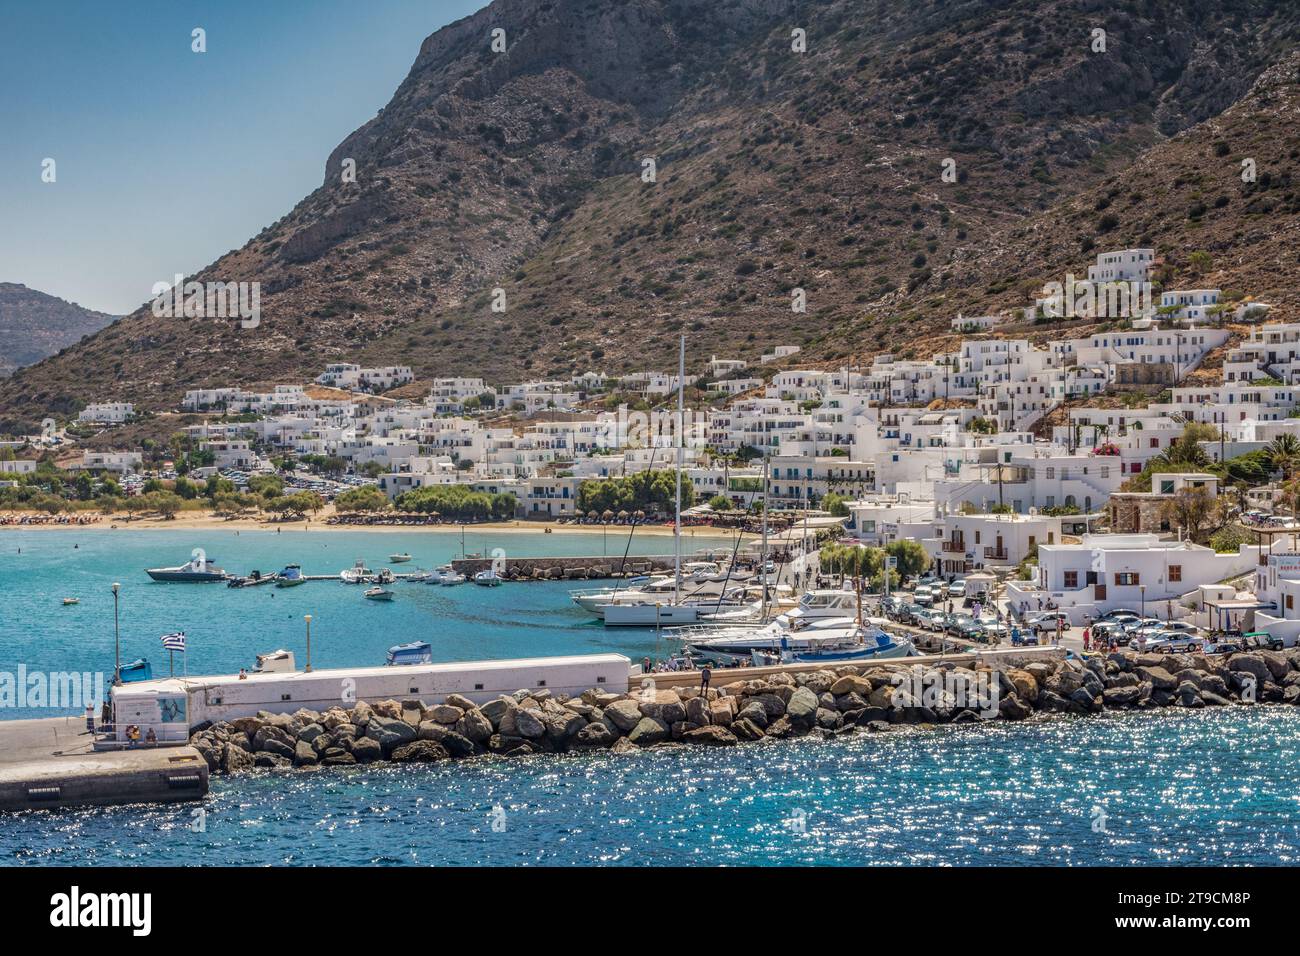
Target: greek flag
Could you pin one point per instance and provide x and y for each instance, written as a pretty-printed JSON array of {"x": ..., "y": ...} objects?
[{"x": 174, "y": 642}]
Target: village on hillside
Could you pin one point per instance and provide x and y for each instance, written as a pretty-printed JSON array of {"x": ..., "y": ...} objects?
[{"x": 1090, "y": 474}]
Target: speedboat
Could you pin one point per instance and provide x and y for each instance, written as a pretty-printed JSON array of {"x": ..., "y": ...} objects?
[
  {"x": 733, "y": 645},
  {"x": 883, "y": 647},
  {"x": 290, "y": 577},
  {"x": 401, "y": 558},
  {"x": 70, "y": 601},
  {"x": 377, "y": 594},
  {"x": 200, "y": 570},
  {"x": 488, "y": 578},
  {"x": 452, "y": 578},
  {"x": 357, "y": 574}
]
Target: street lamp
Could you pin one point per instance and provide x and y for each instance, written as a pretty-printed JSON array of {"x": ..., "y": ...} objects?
[
  {"x": 307, "y": 618},
  {"x": 117, "y": 639},
  {"x": 1142, "y": 591}
]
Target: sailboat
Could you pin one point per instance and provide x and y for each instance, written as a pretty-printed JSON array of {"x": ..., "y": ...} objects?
[{"x": 657, "y": 613}]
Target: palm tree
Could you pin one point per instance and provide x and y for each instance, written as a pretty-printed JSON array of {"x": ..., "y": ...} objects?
[{"x": 1284, "y": 454}]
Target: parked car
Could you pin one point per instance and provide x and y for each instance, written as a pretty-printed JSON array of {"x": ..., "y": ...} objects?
[
  {"x": 912, "y": 614},
  {"x": 1117, "y": 612},
  {"x": 1048, "y": 621},
  {"x": 995, "y": 631},
  {"x": 936, "y": 621},
  {"x": 1174, "y": 642},
  {"x": 958, "y": 621},
  {"x": 957, "y": 589},
  {"x": 923, "y": 597}
]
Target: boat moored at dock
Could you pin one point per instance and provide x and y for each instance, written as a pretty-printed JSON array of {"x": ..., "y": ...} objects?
[{"x": 200, "y": 570}]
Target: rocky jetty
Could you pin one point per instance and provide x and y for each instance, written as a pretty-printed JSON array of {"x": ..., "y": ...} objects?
[{"x": 825, "y": 703}]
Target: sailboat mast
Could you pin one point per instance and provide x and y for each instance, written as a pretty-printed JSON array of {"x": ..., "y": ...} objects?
[
  {"x": 677, "y": 511},
  {"x": 762, "y": 574}
]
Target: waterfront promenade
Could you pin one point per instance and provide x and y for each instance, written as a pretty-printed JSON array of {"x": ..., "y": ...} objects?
[{"x": 51, "y": 762}]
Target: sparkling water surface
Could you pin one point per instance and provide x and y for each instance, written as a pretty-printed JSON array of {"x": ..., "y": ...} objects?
[{"x": 1168, "y": 788}]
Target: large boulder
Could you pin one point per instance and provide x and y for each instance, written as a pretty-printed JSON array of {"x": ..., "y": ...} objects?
[
  {"x": 528, "y": 724},
  {"x": 1121, "y": 696},
  {"x": 773, "y": 705},
  {"x": 698, "y": 711},
  {"x": 711, "y": 735},
  {"x": 1158, "y": 676},
  {"x": 368, "y": 749},
  {"x": 389, "y": 732},
  {"x": 304, "y": 755},
  {"x": 268, "y": 734},
  {"x": 851, "y": 684},
  {"x": 1025, "y": 683},
  {"x": 723, "y": 710},
  {"x": 1251, "y": 664},
  {"x": 420, "y": 751},
  {"x": 649, "y": 730},
  {"x": 1012, "y": 707},
  {"x": 754, "y": 713},
  {"x": 802, "y": 709},
  {"x": 495, "y": 710},
  {"x": 461, "y": 701},
  {"x": 445, "y": 714},
  {"x": 1189, "y": 695},
  {"x": 337, "y": 757},
  {"x": 475, "y": 726},
  {"x": 624, "y": 714},
  {"x": 745, "y": 729},
  {"x": 235, "y": 759},
  {"x": 595, "y": 735},
  {"x": 310, "y": 732}
]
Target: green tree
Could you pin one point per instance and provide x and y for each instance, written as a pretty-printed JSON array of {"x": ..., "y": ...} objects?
[
  {"x": 911, "y": 555},
  {"x": 362, "y": 499}
]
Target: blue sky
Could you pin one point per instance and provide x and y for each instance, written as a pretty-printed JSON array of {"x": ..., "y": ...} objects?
[{"x": 166, "y": 158}]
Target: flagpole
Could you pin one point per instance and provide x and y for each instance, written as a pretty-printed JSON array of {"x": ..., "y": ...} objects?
[{"x": 171, "y": 663}]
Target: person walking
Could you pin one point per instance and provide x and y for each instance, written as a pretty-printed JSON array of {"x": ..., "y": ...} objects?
[{"x": 1086, "y": 635}]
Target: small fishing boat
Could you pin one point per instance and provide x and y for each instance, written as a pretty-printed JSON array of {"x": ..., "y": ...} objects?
[
  {"x": 401, "y": 558},
  {"x": 70, "y": 601},
  {"x": 451, "y": 578},
  {"x": 377, "y": 594},
  {"x": 488, "y": 578},
  {"x": 290, "y": 577},
  {"x": 385, "y": 576}
]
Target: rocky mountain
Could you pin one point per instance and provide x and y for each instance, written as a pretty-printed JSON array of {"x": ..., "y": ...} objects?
[
  {"x": 34, "y": 325},
  {"x": 622, "y": 172}
]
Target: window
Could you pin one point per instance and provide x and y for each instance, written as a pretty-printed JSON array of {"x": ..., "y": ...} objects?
[
  {"x": 1126, "y": 578},
  {"x": 1175, "y": 572},
  {"x": 1071, "y": 580}
]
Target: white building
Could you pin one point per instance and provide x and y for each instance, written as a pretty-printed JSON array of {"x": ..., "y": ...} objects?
[{"x": 107, "y": 413}]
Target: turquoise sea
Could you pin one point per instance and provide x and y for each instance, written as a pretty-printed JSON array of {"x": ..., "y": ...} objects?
[
  {"x": 1169, "y": 788},
  {"x": 226, "y": 627}
]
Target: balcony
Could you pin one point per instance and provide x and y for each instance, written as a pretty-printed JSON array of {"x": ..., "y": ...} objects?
[
  {"x": 995, "y": 554},
  {"x": 957, "y": 546}
]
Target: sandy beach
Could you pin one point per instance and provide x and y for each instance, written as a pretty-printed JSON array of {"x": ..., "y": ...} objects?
[{"x": 202, "y": 521}]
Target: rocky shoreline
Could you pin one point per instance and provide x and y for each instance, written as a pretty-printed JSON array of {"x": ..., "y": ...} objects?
[{"x": 827, "y": 702}]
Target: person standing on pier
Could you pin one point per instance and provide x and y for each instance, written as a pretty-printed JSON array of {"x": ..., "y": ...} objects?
[{"x": 90, "y": 718}]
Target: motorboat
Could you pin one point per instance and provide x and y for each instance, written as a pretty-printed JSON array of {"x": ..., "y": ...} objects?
[
  {"x": 401, "y": 558},
  {"x": 357, "y": 574},
  {"x": 290, "y": 577},
  {"x": 447, "y": 575},
  {"x": 69, "y": 601},
  {"x": 200, "y": 570},
  {"x": 252, "y": 579},
  {"x": 384, "y": 576},
  {"x": 377, "y": 594},
  {"x": 592, "y": 600},
  {"x": 828, "y": 637},
  {"x": 884, "y": 646},
  {"x": 417, "y": 652},
  {"x": 487, "y": 578}
]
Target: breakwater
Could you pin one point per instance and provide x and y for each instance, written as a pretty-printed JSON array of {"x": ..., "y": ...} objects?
[
  {"x": 565, "y": 568},
  {"x": 826, "y": 702}
]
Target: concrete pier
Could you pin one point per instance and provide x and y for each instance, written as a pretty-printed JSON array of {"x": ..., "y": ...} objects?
[{"x": 51, "y": 763}]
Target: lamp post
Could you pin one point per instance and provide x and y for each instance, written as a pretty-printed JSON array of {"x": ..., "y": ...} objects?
[
  {"x": 1142, "y": 591},
  {"x": 117, "y": 639},
  {"x": 307, "y": 618}
]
